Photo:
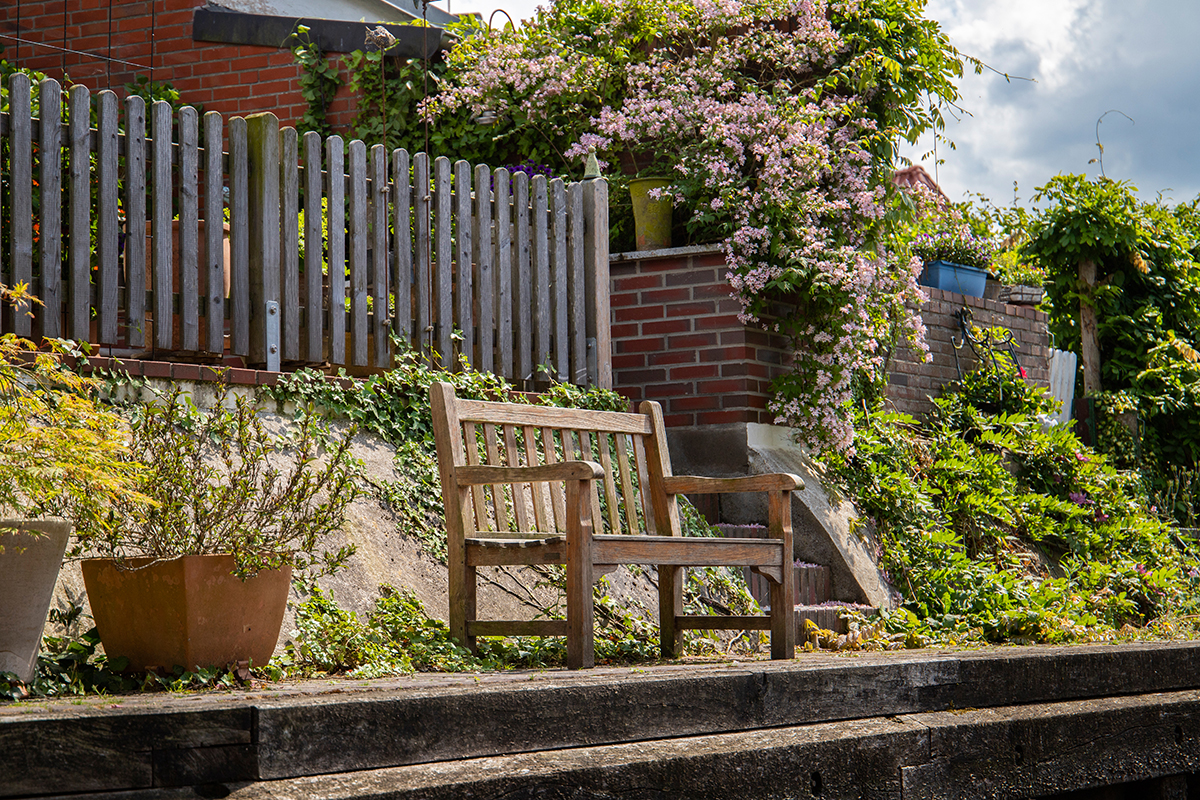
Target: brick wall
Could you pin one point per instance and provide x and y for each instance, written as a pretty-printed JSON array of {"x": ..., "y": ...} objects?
[
  {"x": 677, "y": 340},
  {"x": 911, "y": 383},
  {"x": 157, "y": 34}
]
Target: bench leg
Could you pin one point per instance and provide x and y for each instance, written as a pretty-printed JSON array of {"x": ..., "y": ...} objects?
[
  {"x": 581, "y": 652},
  {"x": 783, "y": 595},
  {"x": 462, "y": 602},
  {"x": 670, "y": 605}
]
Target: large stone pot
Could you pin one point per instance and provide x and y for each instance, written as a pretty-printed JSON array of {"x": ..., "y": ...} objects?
[
  {"x": 189, "y": 611},
  {"x": 32, "y": 551}
]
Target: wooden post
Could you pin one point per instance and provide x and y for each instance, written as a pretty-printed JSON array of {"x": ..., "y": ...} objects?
[
  {"x": 595, "y": 256},
  {"x": 262, "y": 131},
  {"x": 1089, "y": 339}
]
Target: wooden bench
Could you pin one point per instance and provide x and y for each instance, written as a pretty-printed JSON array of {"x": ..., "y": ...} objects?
[{"x": 525, "y": 485}]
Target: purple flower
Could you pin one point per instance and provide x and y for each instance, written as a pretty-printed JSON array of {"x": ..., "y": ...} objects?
[{"x": 1080, "y": 499}]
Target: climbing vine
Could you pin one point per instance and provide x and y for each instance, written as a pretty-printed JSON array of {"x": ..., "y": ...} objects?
[{"x": 319, "y": 82}]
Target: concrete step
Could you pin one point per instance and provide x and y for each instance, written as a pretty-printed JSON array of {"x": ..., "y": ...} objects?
[{"x": 145, "y": 744}]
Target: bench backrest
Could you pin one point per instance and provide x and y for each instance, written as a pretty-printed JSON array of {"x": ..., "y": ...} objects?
[{"x": 630, "y": 447}]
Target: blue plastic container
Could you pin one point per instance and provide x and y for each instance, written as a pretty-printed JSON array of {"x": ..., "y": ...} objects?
[{"x": 950, "y": 277}]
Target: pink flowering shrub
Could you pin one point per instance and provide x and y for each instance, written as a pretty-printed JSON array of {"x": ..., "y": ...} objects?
[{"x": 776, "y": 122}]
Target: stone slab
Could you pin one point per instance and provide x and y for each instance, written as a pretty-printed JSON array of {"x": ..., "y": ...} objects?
[
  {"x": 297, "y": 730},
  {"x": 1145, "y": 742}
]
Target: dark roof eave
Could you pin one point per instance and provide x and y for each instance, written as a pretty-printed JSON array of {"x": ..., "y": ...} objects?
[{"x": 215, "y": 24}]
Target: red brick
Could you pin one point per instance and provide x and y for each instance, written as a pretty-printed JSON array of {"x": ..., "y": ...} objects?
[
  {"x": 679, "y": 420},
  {"x": 185, "y": 372},
  {"x": 693, "y": 371},
  {"x": 721, "y": 386},
  {"x": 665, "y": 326},
  {"x": 156, "y": 369},
  {"x": 632, "y": 393},
  {"x": 675, "y": 295},
  {"x": 241, "y": 377},
  {"x": 718, "y": 322},
  {"x": 691, "y": 340},
  {"x": 631, "y": 376},
  {"x": 720, "y": 290},
  {"x": 709, "y": 260},
  {"x": 692, "y": 277},
  {"x": 672, "y": 357},
  {"x": 634, "y": 313},
  {"x": 693, "y": 403},
  {"x": 266, "y": 378},
  {"x": 744, "y": 401},
  {"x": 639, "y": 345},
  {"x": 637, "y": 282},
  {"x": 690, "y": 309},
  {"x": 626, "y": 299},
  {"x": 727, "y": 354},
  {"x": 669, "y": 390},
  {"x": 627, "y": 360},
  {"x": 626, "y": 331}
]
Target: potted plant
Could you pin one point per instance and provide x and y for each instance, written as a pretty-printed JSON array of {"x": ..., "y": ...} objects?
[
  {"x": 61, "y": 454},
  {"x": 956, "y": 260},
  {"x": 236, "y": 508}
]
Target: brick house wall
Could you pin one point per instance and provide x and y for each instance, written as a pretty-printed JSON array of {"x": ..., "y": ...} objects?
[
  {"x": 156, "y": 35},
  {"x": 911, "y": 382},
  {"x": 677, "y": 340}
]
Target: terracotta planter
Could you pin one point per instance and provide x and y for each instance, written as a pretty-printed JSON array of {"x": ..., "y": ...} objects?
[
  {"x": 189, "y": 611},
  {"x": 28, "y": 569}
]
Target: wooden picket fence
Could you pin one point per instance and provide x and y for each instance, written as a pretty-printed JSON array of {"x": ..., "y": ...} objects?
[{"x": 450, "y": 259}]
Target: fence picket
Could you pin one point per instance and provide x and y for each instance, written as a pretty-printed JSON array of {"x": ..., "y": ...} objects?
[
  {"x": 214, "y": 235},
  {"x": 20, "y": 143},
  {"x": 443, "y": 285},
  {"x": 162, "y": 283},
  {"x": 402, "y": 275},
  {"x": 135, "y": 219},
  {"x": 335, "y": 189},
  {"x": 358, "y": 252},
  {"x": 522, "y": 282},
  {"x": 239, "y": 237},
  {"x": 482, "y": 255},
  {"x": 313, "y": 249},
  {"x": 558, "y": 279},
  {"x": 577, "y": 316},
  {"x": 79, "y": 244},
  {"x": 504, "y": 305},
  {"x": 107, "y": 233},
  {"x": 50, "y": 186},
  {"x": 463, "y": 257},
  {"x": 541, "y": 274},
  {"x": 289, "y": 245},
  {"x": 380, "y": 322},
  {"x": 422, "y": 205},
  {"x": 189, "y": 220}
]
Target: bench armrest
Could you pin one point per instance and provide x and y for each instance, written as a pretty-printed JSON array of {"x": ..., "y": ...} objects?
[
  {"x": 477, "y": 475},
  {"x": 691, "y": 484}
]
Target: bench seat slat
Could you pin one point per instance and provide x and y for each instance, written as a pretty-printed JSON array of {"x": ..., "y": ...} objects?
[{"x": 689, "y": 551}]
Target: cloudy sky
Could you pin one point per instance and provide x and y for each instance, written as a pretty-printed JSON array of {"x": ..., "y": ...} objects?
[{"x": 1138, "y": 58}]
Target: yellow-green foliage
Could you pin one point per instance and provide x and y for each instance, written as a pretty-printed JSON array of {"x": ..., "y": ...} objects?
[{"x": 60, "y": 452}]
